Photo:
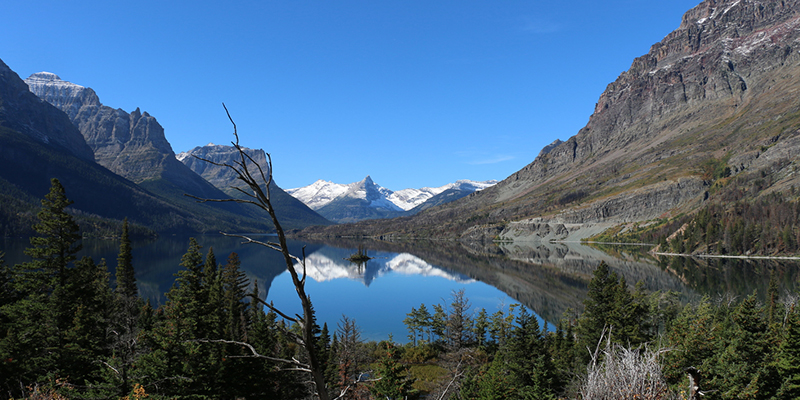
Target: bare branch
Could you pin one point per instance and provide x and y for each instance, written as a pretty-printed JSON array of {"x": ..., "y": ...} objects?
[
  {"x": 298, "y": 366},
  {"x": 259, "y": 195},
  {"x": 359, "y": 379}
]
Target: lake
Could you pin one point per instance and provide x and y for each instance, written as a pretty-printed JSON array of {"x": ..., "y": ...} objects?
[{"x": 548, "y": 278}]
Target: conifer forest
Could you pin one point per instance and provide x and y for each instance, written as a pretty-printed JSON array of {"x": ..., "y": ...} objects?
[{"x": 69, "y": 331}]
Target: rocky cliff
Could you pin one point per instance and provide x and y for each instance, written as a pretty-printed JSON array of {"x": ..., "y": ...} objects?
[
  {"x": 720, "y": 88},
  {"x": 23, "y": 112},
  {"x": 292, "y": 213},
  {"x": 132, "y": 145}
]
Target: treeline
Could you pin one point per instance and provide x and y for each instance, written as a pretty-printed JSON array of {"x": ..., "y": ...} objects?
[
  {"x": 67, "y": 333},
  {"x": 769, "y": 225}
]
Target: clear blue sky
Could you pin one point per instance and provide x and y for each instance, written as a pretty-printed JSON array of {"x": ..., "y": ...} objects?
[{"x": 412, "y": 92}]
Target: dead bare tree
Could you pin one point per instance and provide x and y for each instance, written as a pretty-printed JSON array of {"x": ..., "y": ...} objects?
[
  {"x": 618, "y": 372},
  {"x": 256, "y": 191}
]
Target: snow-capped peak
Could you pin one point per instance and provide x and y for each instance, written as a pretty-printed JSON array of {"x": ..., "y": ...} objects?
[
  {"x": 321, "y": 193},
  {"x": 67, "y": 96},
  {"x": 410, "y": 198}
]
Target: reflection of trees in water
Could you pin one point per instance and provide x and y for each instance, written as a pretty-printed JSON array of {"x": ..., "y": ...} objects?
[
  {"x": 551, "y": 277},
  {"x": 739, "y": 277},
  {"x": 541, "y": 288}
]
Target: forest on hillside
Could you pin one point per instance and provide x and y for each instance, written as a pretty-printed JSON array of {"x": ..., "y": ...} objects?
[{"x": 67, "y": 332}]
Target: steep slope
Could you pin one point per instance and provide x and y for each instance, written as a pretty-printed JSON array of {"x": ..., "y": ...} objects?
[
  {"x": 719, "y": 90},
  {"x": 362, "y": 200},
  {"x": 319, "y": 193},
  {"x": 379, "y": 202},
  {"x": 132, "y": 145},
  {"x": 420, "y": 199},
  {"x": 23, "y": 112},
  {"x": 38, "y": 142},
  {"x": 291, "y": 212}
]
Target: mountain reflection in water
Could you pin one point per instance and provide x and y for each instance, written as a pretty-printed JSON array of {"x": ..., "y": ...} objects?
[
  {"x": 329, "y": 263},
  {"x": 548, "y": 278}
]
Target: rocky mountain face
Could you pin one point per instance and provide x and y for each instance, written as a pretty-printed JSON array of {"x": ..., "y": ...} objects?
[
  {"x": 132, "y": 145},
  {"x": 291, "y": 212},
  {"x": 367, "y": 200},
  {"x": 23, "y": 112},
  {"x": 361, "y": 200},
  {"x": 720, "y": 89},
  {"x": 39, "y": 142}
]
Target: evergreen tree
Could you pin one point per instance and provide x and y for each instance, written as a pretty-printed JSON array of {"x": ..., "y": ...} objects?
[
  {"x": 393, "y": 380},
  {"x": 234, "y": 285},
  {"x": 530, "y": 365},
  {"x": 481, "y": 327},
  {"x": 126, "y": 276},
  {"x": 175, "y": 355},
  {"x": 126, "y": 322},
  {"x": 459, "y": 323},
  {"x": 43, "y": 313},
  {"x": 789, "y": 358},
  {"x": 86, "y": 342}
]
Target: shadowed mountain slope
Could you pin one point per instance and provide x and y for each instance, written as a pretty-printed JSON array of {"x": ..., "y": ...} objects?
[
  {"x": 720, "y": 91},
  {"x": 292, "y": 213}
]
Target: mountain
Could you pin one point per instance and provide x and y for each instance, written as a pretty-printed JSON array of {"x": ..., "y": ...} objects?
[
  {"x": 410, "y": 199},
  {"x": 719, "y": 94},
  {"x": 39, "y": 142},
  {"x": 319, "y": 193},
  {"x": 23, "y": 112},
  {"x": 291, "y": 212},
  {"x": 361, "y": 200},
  {"x": 132, "y": 145},
  {"x": 368, "y": 200}
]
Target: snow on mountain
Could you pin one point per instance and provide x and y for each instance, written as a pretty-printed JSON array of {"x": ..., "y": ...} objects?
[
  {"x": 322, "y": 266},
  {"x": 66, "y": 96},
  {"x": 321, "y": 193}
]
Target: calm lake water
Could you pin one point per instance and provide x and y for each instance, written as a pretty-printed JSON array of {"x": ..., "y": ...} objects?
[{"x": 548, "y": 278}]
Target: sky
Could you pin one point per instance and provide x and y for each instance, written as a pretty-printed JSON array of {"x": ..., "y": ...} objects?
[{"x": 414, "y": 93}]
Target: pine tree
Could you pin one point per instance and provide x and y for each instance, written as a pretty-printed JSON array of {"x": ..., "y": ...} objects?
[
  {"x": 42, "y": 314},
  {"x": 234, "y": 284},
  {"x": 393, "y": 380},
  {"x": 126, "y": 324},
  {"x": 56, "y": 243},
  {"x": 126, "y": 277},
  {"x": 86, "y": 342},
  {"x": 789, "y": 358},
  {"x": 531, "y": 369},
  {"x": 481, "y": 327}
]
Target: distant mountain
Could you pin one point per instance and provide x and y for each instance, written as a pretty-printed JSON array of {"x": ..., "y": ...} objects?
[
  {"x": 23, "y": 112},
  {"x": 291, "y": 212},
  {"x": 39, "y": 142},
  {"x": 362, "y": 200},
  {"x": 410, "y": 199},
  {"x": 718, "y": 94},
  {"x": 134, "y": 146},
  {"x": 367, "y": 200}
]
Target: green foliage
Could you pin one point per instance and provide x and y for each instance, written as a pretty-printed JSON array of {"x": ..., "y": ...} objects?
[{"x": 393, "y": 377}]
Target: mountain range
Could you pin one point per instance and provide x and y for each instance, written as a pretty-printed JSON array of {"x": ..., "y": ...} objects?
[
  {"x": 709, "y": 115},
  {"x": 292, "y": 212},
  {"x": 113, "y": 164},
  {"x": 719, "y": 94},
  {"x": 367, "y": 200}
]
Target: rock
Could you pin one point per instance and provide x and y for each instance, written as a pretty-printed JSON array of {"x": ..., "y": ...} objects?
[{"x": 21, "y": 111}]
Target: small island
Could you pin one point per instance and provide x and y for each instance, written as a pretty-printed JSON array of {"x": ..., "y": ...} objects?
[{"x": 359, "y": 256}]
